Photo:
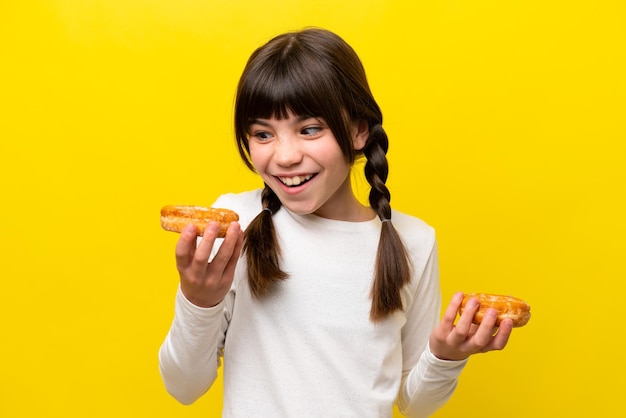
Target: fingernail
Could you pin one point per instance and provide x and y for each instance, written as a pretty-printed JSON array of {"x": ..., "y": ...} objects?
[{"x": 213, "y": 227}]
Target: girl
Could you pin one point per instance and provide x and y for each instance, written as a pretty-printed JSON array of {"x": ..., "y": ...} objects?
[{"x": 323, "y": 306}]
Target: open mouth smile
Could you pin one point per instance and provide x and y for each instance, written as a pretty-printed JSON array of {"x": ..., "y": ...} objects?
[{"x": 296, "y": 180}]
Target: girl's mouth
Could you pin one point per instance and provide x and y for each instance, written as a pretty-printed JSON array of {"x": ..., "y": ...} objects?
[{"x": 296, "y": 180}]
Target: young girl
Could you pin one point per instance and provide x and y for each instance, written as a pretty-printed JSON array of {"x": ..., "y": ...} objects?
[{"x": 323, "y": 307}]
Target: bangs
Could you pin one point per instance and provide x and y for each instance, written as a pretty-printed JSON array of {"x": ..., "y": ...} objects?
[{"x": 293, "y": 87}]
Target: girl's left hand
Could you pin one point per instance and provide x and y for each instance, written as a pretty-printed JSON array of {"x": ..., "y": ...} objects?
[{"x": 457, "y": 342}]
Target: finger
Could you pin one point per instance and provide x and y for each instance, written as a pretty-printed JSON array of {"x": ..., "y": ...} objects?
[
  {"x": 484, "y": 334},
  {"x": 227, "y": 249},
  {"x": 203, "y": 252},
  {"x": 465, "y": 322},
  {"x": 449, "y": 315},
  {"x": 186, "y": 246},
  {"x": 502, "y": 337},
  {"x": 229, "y": 271}
]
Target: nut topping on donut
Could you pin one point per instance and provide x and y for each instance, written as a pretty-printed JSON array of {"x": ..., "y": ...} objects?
[
  {"x": 506, "y": 306},
  {"x": 175, "y": 217}
]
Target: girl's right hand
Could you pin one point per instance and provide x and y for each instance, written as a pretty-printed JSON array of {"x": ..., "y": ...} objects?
[{"x": 206, "y": 283}]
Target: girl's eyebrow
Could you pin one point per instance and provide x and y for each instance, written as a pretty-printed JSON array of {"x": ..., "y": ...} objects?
[
  {"x": 265, "y": 122},
  {"x": 302, "y": 118},
  {"x": 258, "y": 122}
]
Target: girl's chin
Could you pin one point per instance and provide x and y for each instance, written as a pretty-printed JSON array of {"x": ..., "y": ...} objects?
[
  {"x": 298, "y": 206},
  {"x": 298, "y": 209}
]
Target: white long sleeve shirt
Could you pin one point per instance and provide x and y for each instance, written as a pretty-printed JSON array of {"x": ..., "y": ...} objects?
[{"x": 309, "y": 349}]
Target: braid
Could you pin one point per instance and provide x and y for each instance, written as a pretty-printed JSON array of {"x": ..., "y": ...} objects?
[
  {"x": 261, "y": 247},
  {"x": 377, "y": 170},
  {"x": 392, "y": 269}
]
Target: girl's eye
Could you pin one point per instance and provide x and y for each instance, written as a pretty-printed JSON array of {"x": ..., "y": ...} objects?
[
  {"x": 261, "y": 135},
  {"x": 311, "y": 130}
]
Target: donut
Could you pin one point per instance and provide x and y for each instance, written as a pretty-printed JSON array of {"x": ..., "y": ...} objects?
[
  {"x": 506, "y": 306},
  {"x": 174, "y": 218}
]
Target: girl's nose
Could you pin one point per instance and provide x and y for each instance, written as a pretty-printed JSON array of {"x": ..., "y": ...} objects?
[{"x": 287, "y": 152}]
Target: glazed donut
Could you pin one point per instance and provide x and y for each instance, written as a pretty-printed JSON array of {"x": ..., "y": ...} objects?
[
  {"x": 507, "y": 307},
  {"x": 175, "y": 217}
]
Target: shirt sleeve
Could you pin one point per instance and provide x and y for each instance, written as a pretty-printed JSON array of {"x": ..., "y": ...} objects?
[
  {"x": 427, "y": 381},
  {"x": 191, "y": 352}
]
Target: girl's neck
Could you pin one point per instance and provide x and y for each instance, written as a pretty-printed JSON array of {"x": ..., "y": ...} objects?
[{"x": 350, "y": 211}]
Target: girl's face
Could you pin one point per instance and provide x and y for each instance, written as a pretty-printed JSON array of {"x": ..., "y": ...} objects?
[{"x": 300, "y": 160}]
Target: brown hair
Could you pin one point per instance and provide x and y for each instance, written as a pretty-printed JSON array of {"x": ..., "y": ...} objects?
[{"x": 315, "y": 72}]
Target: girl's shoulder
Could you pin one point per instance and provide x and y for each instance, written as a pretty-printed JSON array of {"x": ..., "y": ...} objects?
[
  {"x": 247, "y": 204},
  {"x": 413, "y": 230}
]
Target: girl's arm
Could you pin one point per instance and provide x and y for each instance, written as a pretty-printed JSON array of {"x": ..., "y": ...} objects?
[
  {"x": 431, "y": 381},
  {"x": 191, "y": 353},
  {"x": 427, "y": 381}
]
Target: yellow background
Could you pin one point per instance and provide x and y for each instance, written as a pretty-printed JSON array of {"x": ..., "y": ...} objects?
[{"x": 506, "y": 121}]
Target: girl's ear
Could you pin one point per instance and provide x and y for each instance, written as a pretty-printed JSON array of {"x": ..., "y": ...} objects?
[{"x": 360, "y": 134}]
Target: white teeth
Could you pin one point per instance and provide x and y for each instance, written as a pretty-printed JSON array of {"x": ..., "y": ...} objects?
[{"x": 295, "y": 180}]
